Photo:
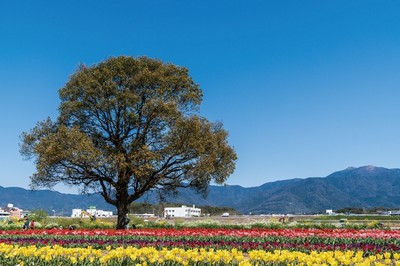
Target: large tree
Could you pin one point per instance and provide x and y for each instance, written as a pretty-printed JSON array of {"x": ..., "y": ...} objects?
[{"x": 125, "y": 126}]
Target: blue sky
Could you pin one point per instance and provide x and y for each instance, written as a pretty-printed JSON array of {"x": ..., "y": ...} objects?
[{"x": 304, "y": 88}]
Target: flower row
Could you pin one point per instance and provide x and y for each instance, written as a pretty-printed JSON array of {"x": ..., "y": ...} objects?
[
  {"x": 304, "y": 240},
  {"x": 254, "y": 232},
  {"x": 56, "y": 255},
  {"x": 304, "y": 244}
]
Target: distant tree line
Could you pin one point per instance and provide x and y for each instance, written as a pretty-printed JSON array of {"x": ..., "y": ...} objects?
[
  {"x": 157, "y": 209},
  {"x": 374, "y": 210}
]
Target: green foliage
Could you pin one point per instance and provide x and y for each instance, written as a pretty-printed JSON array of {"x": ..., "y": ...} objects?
[
  {"x": 179, "y": 223},
  {"x": 355, "y": 226},
  {"x": 11, "y": 226},
  {"x": 136, "y": 221},
  {"x": 139, "y": 207},
  {"x": 208, "y": 223},
  {"x": 108, "y": 223},
  {"x": 365, "y": 217},
  {"x": 63, "y": 222},
  {"x": 269, "y": 225},
  {"x": 98, "y": 225},
  {"x": 38, "y": 225},
  {"x": 327, "y": 225},
  {"x": 363, "y": 211},
  {"x": 352, "y": 210},
  {"x": 158, "y": 224},
  {"x": 375, "y": 225},
  {"x": 51, "y": 226},
  {"x": 38, "y": 215},
  {"x": 214, "y": 210}
]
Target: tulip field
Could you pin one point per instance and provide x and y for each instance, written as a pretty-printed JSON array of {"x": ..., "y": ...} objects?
[{"x": 200, "y": 246}]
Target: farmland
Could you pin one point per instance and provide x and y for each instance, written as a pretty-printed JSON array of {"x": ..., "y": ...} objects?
[
  {"x": 353, "y": 221},
  {"x": 237, "y": 240}
]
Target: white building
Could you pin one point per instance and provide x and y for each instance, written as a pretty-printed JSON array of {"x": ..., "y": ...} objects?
[
  {"x": 91, "y": 211},
  {"x": 394, "y": 212},
  {"x": 3, "y": 214},
  {"x": 183, "y": 211},
  {"x": 329, "y": 212},
  {"x": 15, "y": 211}
]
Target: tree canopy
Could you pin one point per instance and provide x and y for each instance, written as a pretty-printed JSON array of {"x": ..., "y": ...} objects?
[{"x": 125, "y": 126}]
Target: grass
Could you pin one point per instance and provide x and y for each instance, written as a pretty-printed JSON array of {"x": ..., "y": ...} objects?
[{"x": 320, "y": 221}]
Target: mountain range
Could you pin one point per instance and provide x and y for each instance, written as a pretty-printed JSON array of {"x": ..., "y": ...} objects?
[{"x": 362, "y": 187}]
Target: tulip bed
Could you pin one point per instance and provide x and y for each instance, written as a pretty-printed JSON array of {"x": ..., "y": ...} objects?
[{"x": 196, "y": 246}]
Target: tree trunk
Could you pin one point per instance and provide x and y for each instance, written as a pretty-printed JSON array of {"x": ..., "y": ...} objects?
[
  {"x": 122, "y": 208},
  {"x": 122, "y": 211}
]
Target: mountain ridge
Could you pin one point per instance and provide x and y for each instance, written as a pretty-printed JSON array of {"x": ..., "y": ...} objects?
[{"x": 361, "y": 187}]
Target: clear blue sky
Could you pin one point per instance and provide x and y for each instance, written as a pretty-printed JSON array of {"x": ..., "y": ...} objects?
[{"x": 305, "y": 88}]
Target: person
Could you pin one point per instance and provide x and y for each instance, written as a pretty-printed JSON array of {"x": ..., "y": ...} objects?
[
  {"x": 26, "y": 224},
  {"x": 127, "y": 220},
  {"x": 32, "y": 224}
]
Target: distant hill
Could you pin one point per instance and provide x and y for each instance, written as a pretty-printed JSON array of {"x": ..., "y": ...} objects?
[
  {"x": 363, "y": 187},
  {"x": 50, "y": 200}
]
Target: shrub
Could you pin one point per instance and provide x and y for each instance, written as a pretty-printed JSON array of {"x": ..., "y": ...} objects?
[
  {"x": 51, "y": 226},
  {"x": 38, "y": 215},
  {"x": 158, "y": 224},
  {"x": 136, "y": 221}
]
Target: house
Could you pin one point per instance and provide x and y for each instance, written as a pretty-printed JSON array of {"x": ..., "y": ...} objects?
[
  {"x": 15, "y": 211},
  {"x": 90, "y": 212},
  {"x": 394, "y": 212},
  {"x": 4, "y": 215},
  {"x": 183, "y": 211},
  {"x": 330, "y": 212}
]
